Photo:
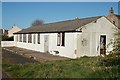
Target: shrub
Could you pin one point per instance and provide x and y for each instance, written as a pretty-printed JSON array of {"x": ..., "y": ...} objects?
[
  {"x": 114, "y": 57},
  {"x": 6, "y": 38}
]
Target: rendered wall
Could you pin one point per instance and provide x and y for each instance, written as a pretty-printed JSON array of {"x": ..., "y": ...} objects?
[
  {"x": 70, "y": 45},
  {"x": 91, "y": 33},
  {"x": 32, "y": 46},
  {"x": 67, "y": 51},
  {"x": 7, "y": 43}
]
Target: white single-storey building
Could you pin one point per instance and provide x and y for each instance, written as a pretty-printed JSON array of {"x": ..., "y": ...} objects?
[{"x": 72, "y": 38}]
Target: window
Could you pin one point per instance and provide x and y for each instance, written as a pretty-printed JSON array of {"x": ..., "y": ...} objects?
[
  {"x": 38, "y": 38},
  {"x": 58, "y": 39},
  {"x": 20, "y": 38},
  {"x": 61, "y": 39},
  {"x": 34, "y": 38},
  {"x": 29, "y": 38},
  {"x": 24, "y": 37}
]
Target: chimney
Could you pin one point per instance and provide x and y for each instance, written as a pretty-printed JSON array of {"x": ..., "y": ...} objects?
[
  {"x": 13, "y": 26},
  {"x": 77, "y": 18},
  {"x": 111, "y": 11}
]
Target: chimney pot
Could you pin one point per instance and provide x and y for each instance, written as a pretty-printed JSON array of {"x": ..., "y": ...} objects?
[{"x": 111, "y": 11}]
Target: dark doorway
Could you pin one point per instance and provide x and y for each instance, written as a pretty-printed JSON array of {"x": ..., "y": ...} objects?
[{"x": 103, "y": 45}]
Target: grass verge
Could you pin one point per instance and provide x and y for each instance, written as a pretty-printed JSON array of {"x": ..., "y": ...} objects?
[{"x": 85, "y": 67}]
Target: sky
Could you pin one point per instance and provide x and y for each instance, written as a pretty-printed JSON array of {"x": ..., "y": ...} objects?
[
  {"x": 60, "y": 0},
  {"x": 23, "y": 14}
]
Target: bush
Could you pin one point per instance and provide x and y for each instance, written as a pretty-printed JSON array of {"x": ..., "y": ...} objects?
[
  {"x": 6, "y": 38},
  {"x": 114, "y": 57}
]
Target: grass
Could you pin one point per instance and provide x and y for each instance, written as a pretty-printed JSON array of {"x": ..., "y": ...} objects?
[{"x": 85, "y": 67}]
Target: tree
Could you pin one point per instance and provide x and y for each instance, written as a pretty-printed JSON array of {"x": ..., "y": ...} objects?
[{"x": 37, "y": 22}]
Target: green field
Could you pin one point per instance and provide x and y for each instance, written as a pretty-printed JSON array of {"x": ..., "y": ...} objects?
[{"x": 85, "y": 67}]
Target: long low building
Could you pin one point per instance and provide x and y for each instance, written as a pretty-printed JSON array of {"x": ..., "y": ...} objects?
[{"x": 72, "y": 38}]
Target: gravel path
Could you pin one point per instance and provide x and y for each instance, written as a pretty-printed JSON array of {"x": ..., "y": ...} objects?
[
  {"x": 15, "y": 58},
  {"x": 39, "y": 56}
]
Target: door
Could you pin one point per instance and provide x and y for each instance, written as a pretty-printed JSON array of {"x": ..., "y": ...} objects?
[
  {"x": 46, "y": 43},
  {"x": 103, "y": 45}
]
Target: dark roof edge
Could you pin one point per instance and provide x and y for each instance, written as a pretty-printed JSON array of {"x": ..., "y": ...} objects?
[{"x": 47, "y": 32}]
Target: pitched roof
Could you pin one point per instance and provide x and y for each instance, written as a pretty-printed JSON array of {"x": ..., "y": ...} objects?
[
  {"x": 69, "y": 25},
  {"x": 117, "y": 16},
  {"x": 118, "y": 25}
]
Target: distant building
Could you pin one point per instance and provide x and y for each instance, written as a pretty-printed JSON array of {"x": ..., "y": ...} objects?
[
  {"x": 13, "y": 30},
  {"x": 3, "y": 32}
]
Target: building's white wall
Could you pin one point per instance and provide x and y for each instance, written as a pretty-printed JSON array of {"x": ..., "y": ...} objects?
[
  {"x": 70, "y": 45},
  {"x": 83, "y": 44},
  {"x": 32, "y": 46},
  {"x": 15, "y": 39},
  {"x": 7, "y": 43},
  {"x": 67, "y": 51},
  {"x": 91, "y": 32}
]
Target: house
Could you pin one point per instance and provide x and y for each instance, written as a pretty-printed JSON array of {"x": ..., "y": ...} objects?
[
  {"x": 72, "y": 38},
  {"x": 3, "y": 32},
  {"x": 13, "y": 30}
]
